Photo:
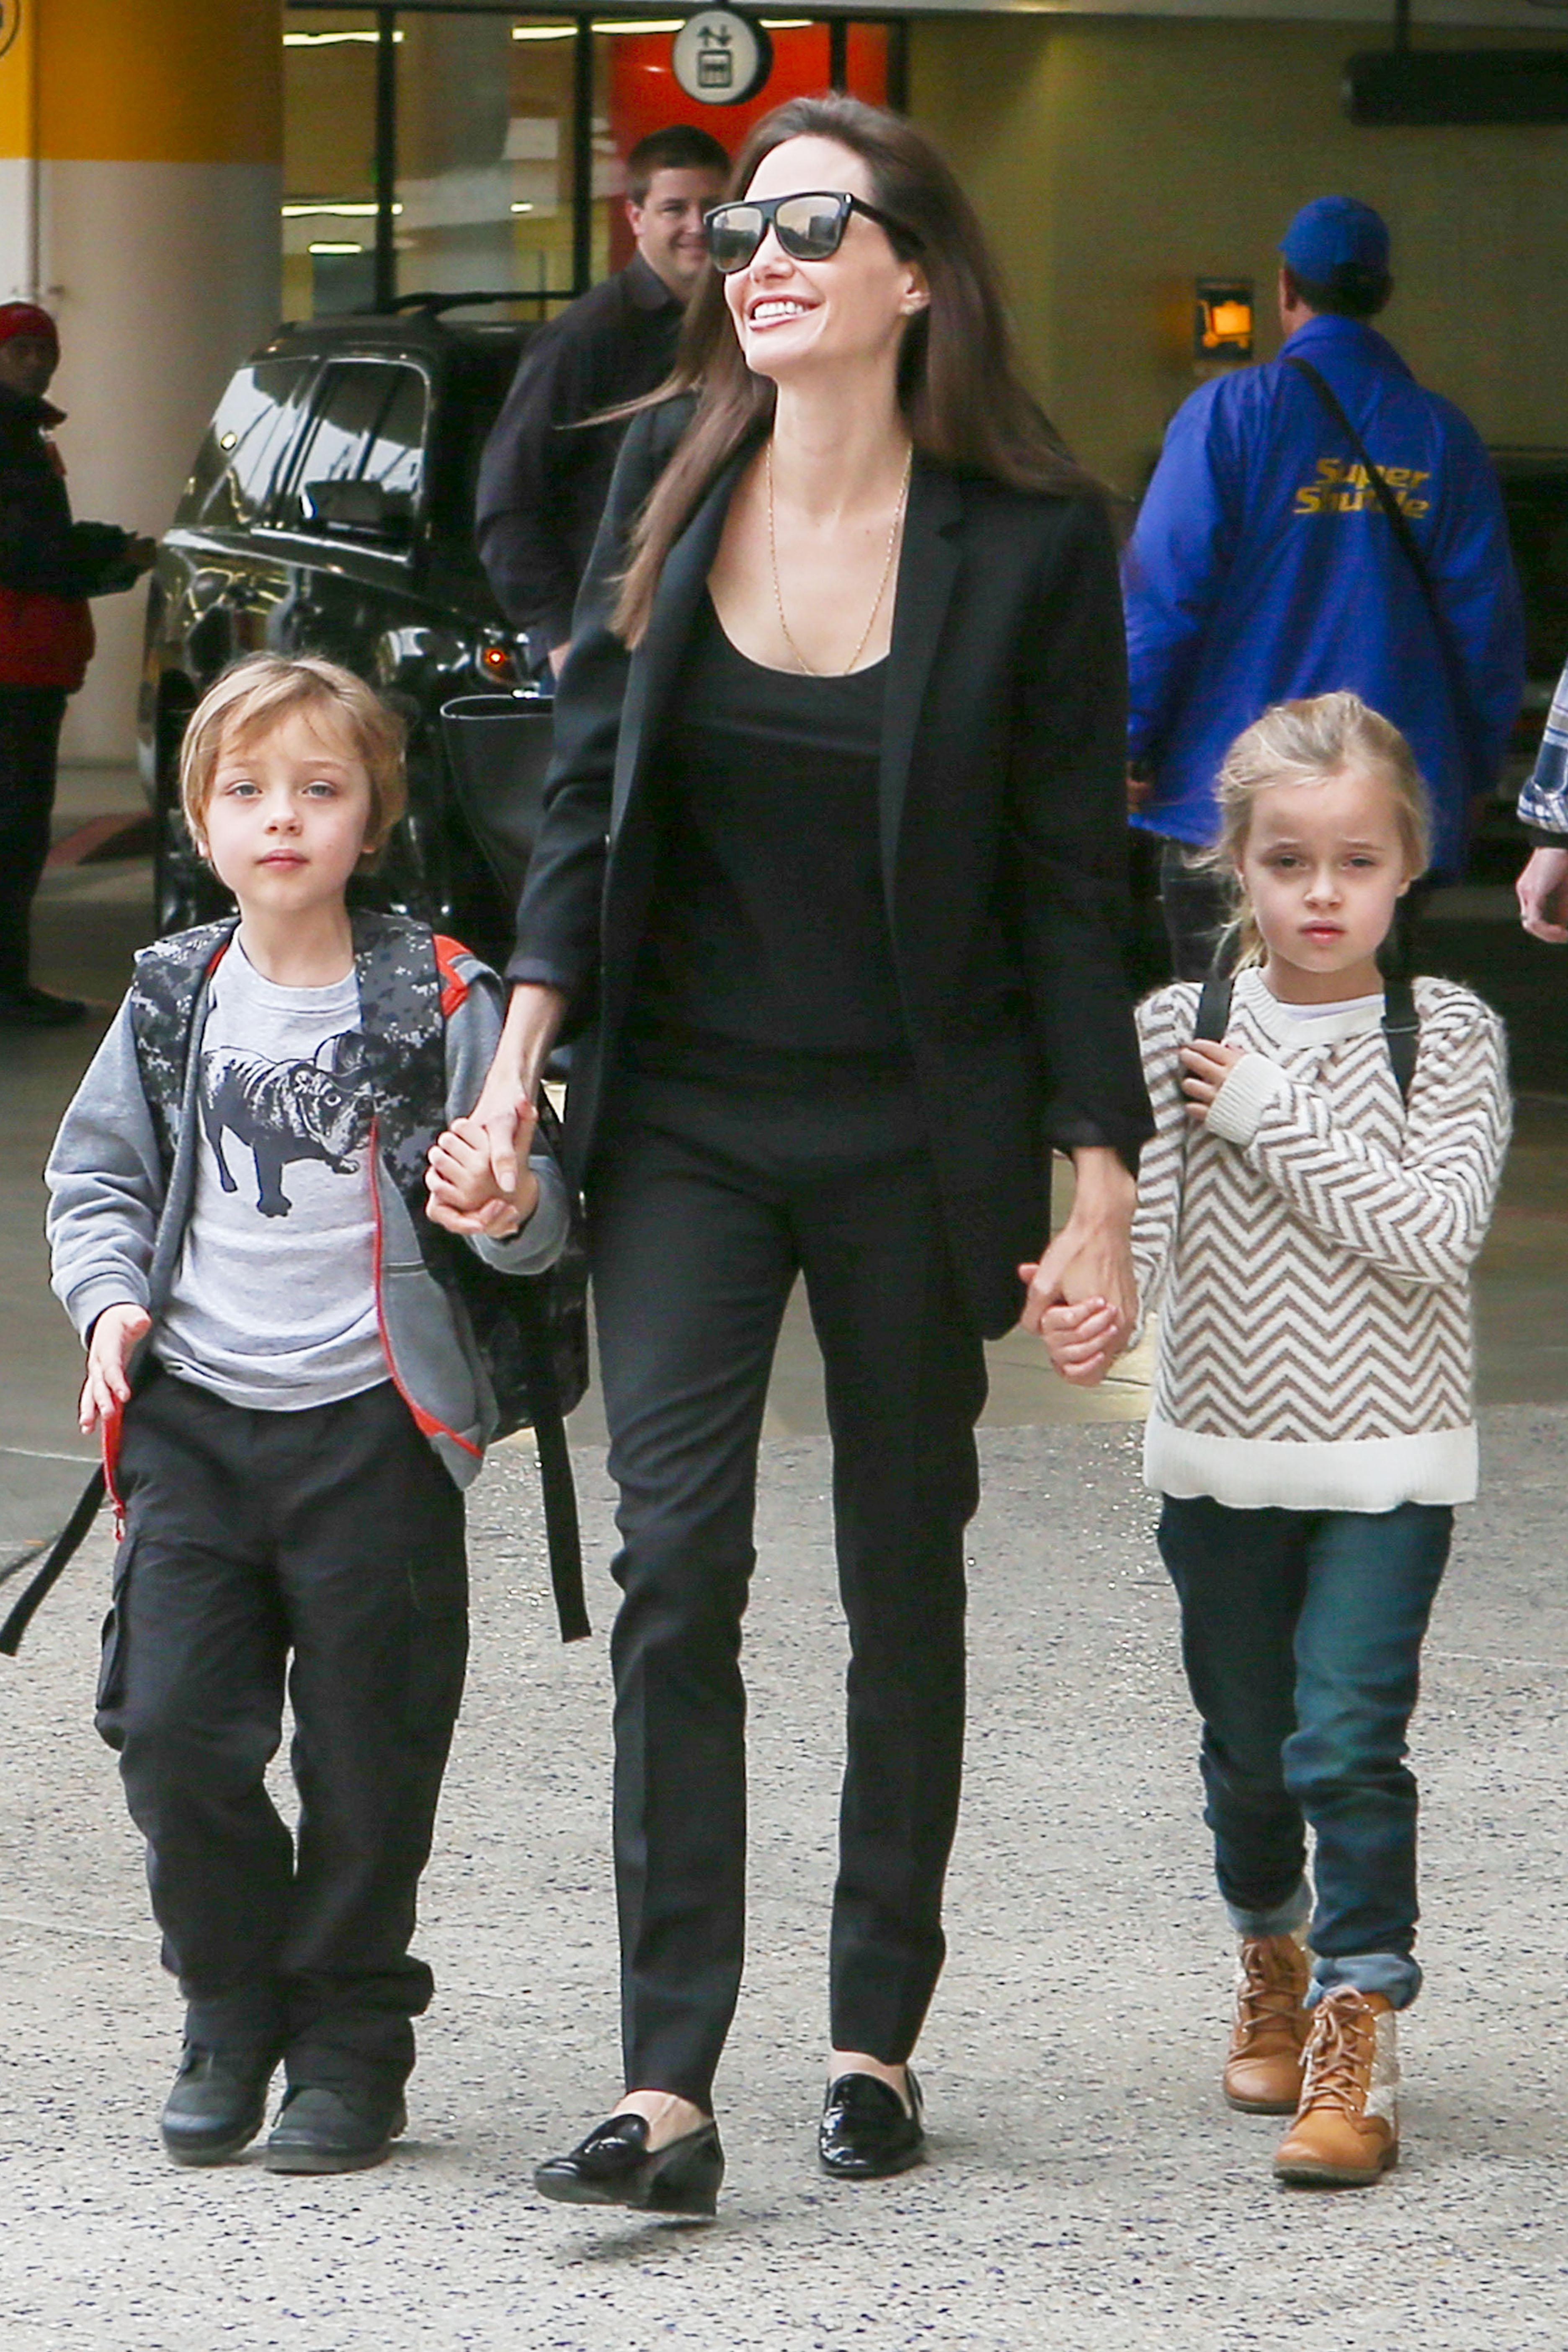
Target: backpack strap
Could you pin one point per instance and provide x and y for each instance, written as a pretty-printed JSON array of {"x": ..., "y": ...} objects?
[
  {"x": 1400, "y": 1030},
  {"x": 58, "y": 1558},
  {"x": 1214, "y": 1004},
  {"x": 1401, "y": 1021}
]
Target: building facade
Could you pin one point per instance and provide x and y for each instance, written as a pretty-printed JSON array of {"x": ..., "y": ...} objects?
[{"x": 174, "y": 178}]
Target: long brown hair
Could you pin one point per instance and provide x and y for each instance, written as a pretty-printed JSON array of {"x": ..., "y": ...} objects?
[{"x": 959, "y": 385}]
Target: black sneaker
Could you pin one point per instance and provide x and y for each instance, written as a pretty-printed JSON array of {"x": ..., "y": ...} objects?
[
  {"x": 33, "y": 1008},
  {"x": 216, "y": 2104},
  {"x": 320, "y": 2130}
]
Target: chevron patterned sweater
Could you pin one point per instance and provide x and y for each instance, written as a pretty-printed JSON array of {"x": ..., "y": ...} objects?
[{"x": 1309, "y": 1247}]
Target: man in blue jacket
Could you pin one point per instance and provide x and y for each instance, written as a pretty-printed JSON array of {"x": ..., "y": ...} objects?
[{"x": 1264, "y": 566}]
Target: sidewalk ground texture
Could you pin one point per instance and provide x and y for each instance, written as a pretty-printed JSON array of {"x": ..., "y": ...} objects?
[{"x": 1087, "y": 2188}]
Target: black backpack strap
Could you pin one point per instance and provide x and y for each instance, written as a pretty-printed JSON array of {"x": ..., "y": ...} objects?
[
  {"x": 1402, "y": 1030},
  {"x": 60, "y": 1553},
  {"x": 1401, "y": 1021},
  {"x": 1214, "y": 1005},
  {"x": 562, "y": 1536}
]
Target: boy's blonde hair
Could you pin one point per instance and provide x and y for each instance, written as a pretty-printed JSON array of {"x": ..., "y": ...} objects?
[
  {"x": 1308, "y": 742},
  {"x": 255, "y": 694}
]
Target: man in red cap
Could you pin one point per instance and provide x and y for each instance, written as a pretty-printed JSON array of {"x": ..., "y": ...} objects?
[{"x": 49, "y": 566}]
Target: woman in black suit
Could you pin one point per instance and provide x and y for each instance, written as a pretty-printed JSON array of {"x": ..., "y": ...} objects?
[{"x": 830, "y": 877}]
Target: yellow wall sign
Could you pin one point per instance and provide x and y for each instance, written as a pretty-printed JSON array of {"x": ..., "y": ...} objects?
[{"x": 1222, "y": 318}]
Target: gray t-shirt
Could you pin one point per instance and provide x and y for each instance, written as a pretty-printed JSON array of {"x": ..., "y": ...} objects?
[{"x": 274, "y": 1298}]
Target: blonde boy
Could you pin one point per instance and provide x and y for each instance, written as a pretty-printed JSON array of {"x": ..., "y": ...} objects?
[{"x": 292, "y": 1400}]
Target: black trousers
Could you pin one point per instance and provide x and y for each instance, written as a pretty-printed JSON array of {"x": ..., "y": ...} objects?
[
  {"x": 30, "y": 718},
  {"x": 324, "y": 1547},
  {"x": 702, "y": 1208}
]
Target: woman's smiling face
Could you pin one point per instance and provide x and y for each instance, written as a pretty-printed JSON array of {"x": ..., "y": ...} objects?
[{"x": 793, "y": 316}]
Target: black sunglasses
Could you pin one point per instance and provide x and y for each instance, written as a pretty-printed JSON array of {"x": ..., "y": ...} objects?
[{"x": 809, "y": 227}]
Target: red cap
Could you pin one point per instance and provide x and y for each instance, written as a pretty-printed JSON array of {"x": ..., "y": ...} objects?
[{"x": 27, "y": 318}]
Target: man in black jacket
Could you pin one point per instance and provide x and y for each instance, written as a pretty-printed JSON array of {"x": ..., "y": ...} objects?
[
  {"x": 545, "y": 473},
  {"x": 49, "y": 566}
]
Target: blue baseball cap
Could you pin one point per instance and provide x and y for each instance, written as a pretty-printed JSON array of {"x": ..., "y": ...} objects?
[{"x": 1331, "y": 231}]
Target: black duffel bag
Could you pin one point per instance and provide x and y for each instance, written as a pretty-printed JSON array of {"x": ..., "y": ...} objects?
[{"x": 498, "y": 748}]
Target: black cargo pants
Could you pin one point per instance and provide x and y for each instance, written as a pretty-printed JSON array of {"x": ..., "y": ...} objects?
[{"x": 322, "y": 1550}]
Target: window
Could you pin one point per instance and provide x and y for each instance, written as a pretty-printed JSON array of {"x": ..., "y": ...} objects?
[
  {"x": 239, "y": 459},
  {"x": 480, "y": 147},
  {"x": 361, "y": 467},
  {"x": 329, "y": 159}
]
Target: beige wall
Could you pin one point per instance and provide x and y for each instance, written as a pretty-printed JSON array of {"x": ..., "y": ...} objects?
[{"x": 1115, "y": 158}]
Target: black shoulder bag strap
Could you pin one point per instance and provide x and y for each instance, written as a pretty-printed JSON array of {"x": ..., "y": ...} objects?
[
  {"x": 1401, "y": 1021},
  {"x": 57, "y": 1558},
  {"x": 1399, "y": 524}
]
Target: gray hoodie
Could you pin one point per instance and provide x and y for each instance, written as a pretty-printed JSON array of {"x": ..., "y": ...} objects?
[{"x": 116, "y": 1225}]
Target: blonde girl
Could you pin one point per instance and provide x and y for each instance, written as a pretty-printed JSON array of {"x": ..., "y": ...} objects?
[{"x": 1307, "y": 1235}]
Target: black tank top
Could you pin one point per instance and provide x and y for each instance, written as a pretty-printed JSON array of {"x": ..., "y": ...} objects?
[{"x": 767, "y": 938}]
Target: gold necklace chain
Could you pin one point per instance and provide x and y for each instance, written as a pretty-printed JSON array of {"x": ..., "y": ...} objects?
[{"x": 882, "y": 585}]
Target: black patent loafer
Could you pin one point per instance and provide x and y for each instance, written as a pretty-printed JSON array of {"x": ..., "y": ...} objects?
[
  {"x": 216, "y": 2104},
  {"x": 320, "y": 2130},
  {"x": 613, "y": 2166},
  {"x": 867, "y": 2132}
]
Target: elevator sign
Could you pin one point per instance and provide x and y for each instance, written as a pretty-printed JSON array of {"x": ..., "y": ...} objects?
[
  {"x": 720, "y": 57},
  {"x": 10, "y": 23}
]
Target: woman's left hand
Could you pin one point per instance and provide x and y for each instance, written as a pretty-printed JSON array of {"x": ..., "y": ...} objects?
[
  {"x": 1091, "y": 1257},
  {"x": 1205, "y": 1066}
]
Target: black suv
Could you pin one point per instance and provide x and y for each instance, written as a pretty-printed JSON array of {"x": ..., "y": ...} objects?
[{"x": 330, "y": 511}]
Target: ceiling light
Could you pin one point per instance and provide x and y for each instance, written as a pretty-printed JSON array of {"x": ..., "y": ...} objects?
[
  {"x": 332, "y": 40},
  {"x": 333, "y": 211}
]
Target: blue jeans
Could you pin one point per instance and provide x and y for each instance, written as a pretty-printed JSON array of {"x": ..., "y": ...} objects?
[{"x": 1301, "y": 1636}]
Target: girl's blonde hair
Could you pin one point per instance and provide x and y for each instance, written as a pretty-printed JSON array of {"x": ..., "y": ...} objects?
[
  {"x": 255, "y": 694},
  {"x": 1308, "y": 742}
]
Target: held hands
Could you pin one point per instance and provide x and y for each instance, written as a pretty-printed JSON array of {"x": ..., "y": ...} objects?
[
  {"x": 1082, "y": 1298},
  {"x": 1082, "y": 1342},
  {"x": 1206, "y": 1066},
  {"x": 478, "y": 1179},
  {"x": 106, "y": 1387}
]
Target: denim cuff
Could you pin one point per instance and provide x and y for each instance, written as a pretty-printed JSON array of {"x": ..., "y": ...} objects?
[
  {"x": 1393, "y": 1974},
  {"x": 1284, "y": 1919}
]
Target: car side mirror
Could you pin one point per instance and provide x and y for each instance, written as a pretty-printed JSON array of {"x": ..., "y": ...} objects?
[{"x": 366, "y": 508}]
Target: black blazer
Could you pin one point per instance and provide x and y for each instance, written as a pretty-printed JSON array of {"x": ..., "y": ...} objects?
[{"x": 1003, "y": 830}]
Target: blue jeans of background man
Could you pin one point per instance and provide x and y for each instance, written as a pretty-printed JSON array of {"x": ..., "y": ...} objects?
[{"x": 1301, "y": 1635}]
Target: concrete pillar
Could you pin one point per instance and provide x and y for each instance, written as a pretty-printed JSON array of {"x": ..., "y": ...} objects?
[{"x": 140, "y": 175}]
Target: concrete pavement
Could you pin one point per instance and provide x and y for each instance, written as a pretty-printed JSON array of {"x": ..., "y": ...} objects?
[{"x": 1087, "y": 2188}]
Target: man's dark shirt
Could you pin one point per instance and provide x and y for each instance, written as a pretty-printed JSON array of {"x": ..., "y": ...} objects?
[{"x": 544, "y": 482}]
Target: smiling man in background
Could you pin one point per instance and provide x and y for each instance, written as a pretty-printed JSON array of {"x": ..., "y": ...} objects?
[{"x": 546, "y": 472}]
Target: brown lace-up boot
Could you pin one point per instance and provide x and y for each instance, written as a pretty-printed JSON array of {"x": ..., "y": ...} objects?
[
  {"x": 1346, "y": 2131},
  {"x": 1263, "y": 2068}
]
